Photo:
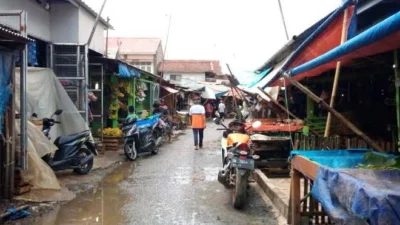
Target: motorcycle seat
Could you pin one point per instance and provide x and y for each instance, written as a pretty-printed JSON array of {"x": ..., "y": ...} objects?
[{"x": 66, "y": 139}]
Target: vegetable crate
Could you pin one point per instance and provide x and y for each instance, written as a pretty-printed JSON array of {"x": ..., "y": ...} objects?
[{"x": 111, "y": 143}]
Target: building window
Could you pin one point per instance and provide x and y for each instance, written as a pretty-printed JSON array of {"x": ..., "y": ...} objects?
[
  {"x": 175, "y": 77},
  {"x": 146, "y": 66}
]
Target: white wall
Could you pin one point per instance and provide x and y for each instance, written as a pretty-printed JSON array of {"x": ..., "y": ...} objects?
[
  {"x": 191, "y": 76},
  {"x": 64, "y": 23},
  {"x": 38, "y": 17},
  {"x": 86, "y": 22}
]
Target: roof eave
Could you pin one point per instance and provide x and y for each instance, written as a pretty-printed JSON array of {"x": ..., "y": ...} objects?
[{"x": 92, "y": 12}]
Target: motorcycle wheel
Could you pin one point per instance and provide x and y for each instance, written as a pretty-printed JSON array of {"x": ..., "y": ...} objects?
[
  {"x": 84, "y": 169},
  {"x": 155, "y": 149},
  {"x": 239, "y": 192},
  {"x": 130, "y": 151}
]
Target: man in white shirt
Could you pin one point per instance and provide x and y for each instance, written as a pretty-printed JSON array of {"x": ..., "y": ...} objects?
[
  {"x": 221, "y": 110},
  {"x": 198, "y": 118}
]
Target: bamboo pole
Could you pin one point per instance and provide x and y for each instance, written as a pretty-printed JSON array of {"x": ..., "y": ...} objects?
[
  {"x": 335, "y": 113},
  {"x": 337, "y": 75},
  {"x": 397, "y": 77},
  {"x": 283, "y": 107}
]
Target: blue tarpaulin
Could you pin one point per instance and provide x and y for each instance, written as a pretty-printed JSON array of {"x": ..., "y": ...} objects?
[
  {"x": 355, "y": 196},
  {"x": 6, "y": 68},
  {"x": 259, "y": 77},
  {"x": 381, "y": 30},
  {"x": 127, "y": 72}
]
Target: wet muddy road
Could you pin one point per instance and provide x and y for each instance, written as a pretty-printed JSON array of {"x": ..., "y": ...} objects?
[{"x": 177, "y": 186}]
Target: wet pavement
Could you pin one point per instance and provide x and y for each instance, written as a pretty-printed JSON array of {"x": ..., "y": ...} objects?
[{"x": 177, "y": 186}]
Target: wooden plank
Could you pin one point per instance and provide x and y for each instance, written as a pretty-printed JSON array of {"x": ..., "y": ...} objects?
[
  {"x": 295, "y": 197},
  {"x": 305, "y": 166},
  {"x": 335, "y": 113}
]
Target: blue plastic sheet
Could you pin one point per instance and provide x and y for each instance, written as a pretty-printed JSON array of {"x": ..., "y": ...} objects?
[
  {"x": 355, "y": 196},
  {"x": 259, "y": 77},
  {"x": 32, "y": 54},
  {"x": 6, "y": 68},
  {"x": 148, "y": 122},
  {"x": 336, "y": 158},
  {"x": 127, "y": 72}
]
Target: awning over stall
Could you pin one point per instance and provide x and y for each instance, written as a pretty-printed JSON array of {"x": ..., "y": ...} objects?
[
  {"x": 380, "y": 38},
  {"x": 268, "y": 78},
  {"x": 169, "y": 89},
  {"x": 127, "y": 71},
  {"x": 324, "y": 38}
]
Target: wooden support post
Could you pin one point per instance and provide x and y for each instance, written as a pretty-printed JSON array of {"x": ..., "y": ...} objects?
[
  {"x": 335, "y": 113},
  {"x": 397, "y": 78},
  {"x": 114, "y": 80},
  {"x": 295, "y": 198},
  {"x": 337, "y": 74}
]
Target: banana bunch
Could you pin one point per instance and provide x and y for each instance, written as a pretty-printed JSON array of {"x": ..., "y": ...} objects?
[{"x": 112, "y": 132}]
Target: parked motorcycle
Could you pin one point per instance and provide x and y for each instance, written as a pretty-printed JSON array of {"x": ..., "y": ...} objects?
[
  {"x": 237, "y": 160},
  {"x": 75, "y": 151},
  {"x": 141, "y": 136}
]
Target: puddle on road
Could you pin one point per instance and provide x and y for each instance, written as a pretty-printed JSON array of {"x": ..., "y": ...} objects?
[{"x": 99, "y": 206}]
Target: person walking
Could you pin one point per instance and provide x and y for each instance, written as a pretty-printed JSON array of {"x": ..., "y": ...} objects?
[
  {"x": 221, "y": 110},
  {"x": 197, "y": 115}
]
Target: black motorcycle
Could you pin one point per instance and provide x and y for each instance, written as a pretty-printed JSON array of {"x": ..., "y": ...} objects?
[
  {"x": 141, "y": 136},
  {"x": 75, "y": 151}
]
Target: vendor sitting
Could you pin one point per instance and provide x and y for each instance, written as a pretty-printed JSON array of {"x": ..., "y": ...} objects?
[{"x": 131, "y": 113}]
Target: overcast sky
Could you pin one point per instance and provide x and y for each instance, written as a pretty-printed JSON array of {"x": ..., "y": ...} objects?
[{"x": 242, "y": 33}]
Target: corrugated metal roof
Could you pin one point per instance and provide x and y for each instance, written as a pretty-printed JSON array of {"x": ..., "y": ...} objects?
[{"x": 12, "y": 35}]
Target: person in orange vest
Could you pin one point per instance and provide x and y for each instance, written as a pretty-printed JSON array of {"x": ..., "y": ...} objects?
[{"x": 197, "y": 115}]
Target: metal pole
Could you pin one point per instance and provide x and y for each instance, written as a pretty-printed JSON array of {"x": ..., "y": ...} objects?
[
  {"x": 86, "y": 83},
  {"x": 24, "y": 65},
  {"x": 283, "y": 19},
  {"x": 108, "y": 21},
  {"x": 102, "y": 101},
  {"x": 23, "y": 71},
  {"x": 337, "y": 75},
  {"x": 96, "y": 22},
  {"x": 397, "y": 78},
  {"x": 335, "y": 113},
  {"x": 165, "y": 49}
]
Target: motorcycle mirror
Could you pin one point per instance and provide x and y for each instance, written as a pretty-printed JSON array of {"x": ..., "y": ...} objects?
[
  {"x": 217, "y": 121},
  {"x": 58, "y": 112},
  {"x": 256, "y": 124}
]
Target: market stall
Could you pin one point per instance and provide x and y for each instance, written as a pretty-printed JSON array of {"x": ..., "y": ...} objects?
[{"x": 344, "y": 187}]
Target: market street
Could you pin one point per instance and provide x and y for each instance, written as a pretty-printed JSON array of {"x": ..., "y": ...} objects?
[{"x": 177, "y": 186}]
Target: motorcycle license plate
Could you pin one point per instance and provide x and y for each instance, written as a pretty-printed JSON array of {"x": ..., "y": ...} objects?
[{"x": 243, "y": 163}]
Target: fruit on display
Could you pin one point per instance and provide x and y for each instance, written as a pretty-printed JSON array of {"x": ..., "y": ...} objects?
[{"x": 112, "y": 132}]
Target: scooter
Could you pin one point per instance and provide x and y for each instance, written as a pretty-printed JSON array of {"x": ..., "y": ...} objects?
[
  {"x": 75, "y": 151},
  {"x": 237, "y": 160},
  {"x": 141, "y": 136}
]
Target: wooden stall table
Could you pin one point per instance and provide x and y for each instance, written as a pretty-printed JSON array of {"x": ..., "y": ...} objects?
[{"x": 337, "y": 191}]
